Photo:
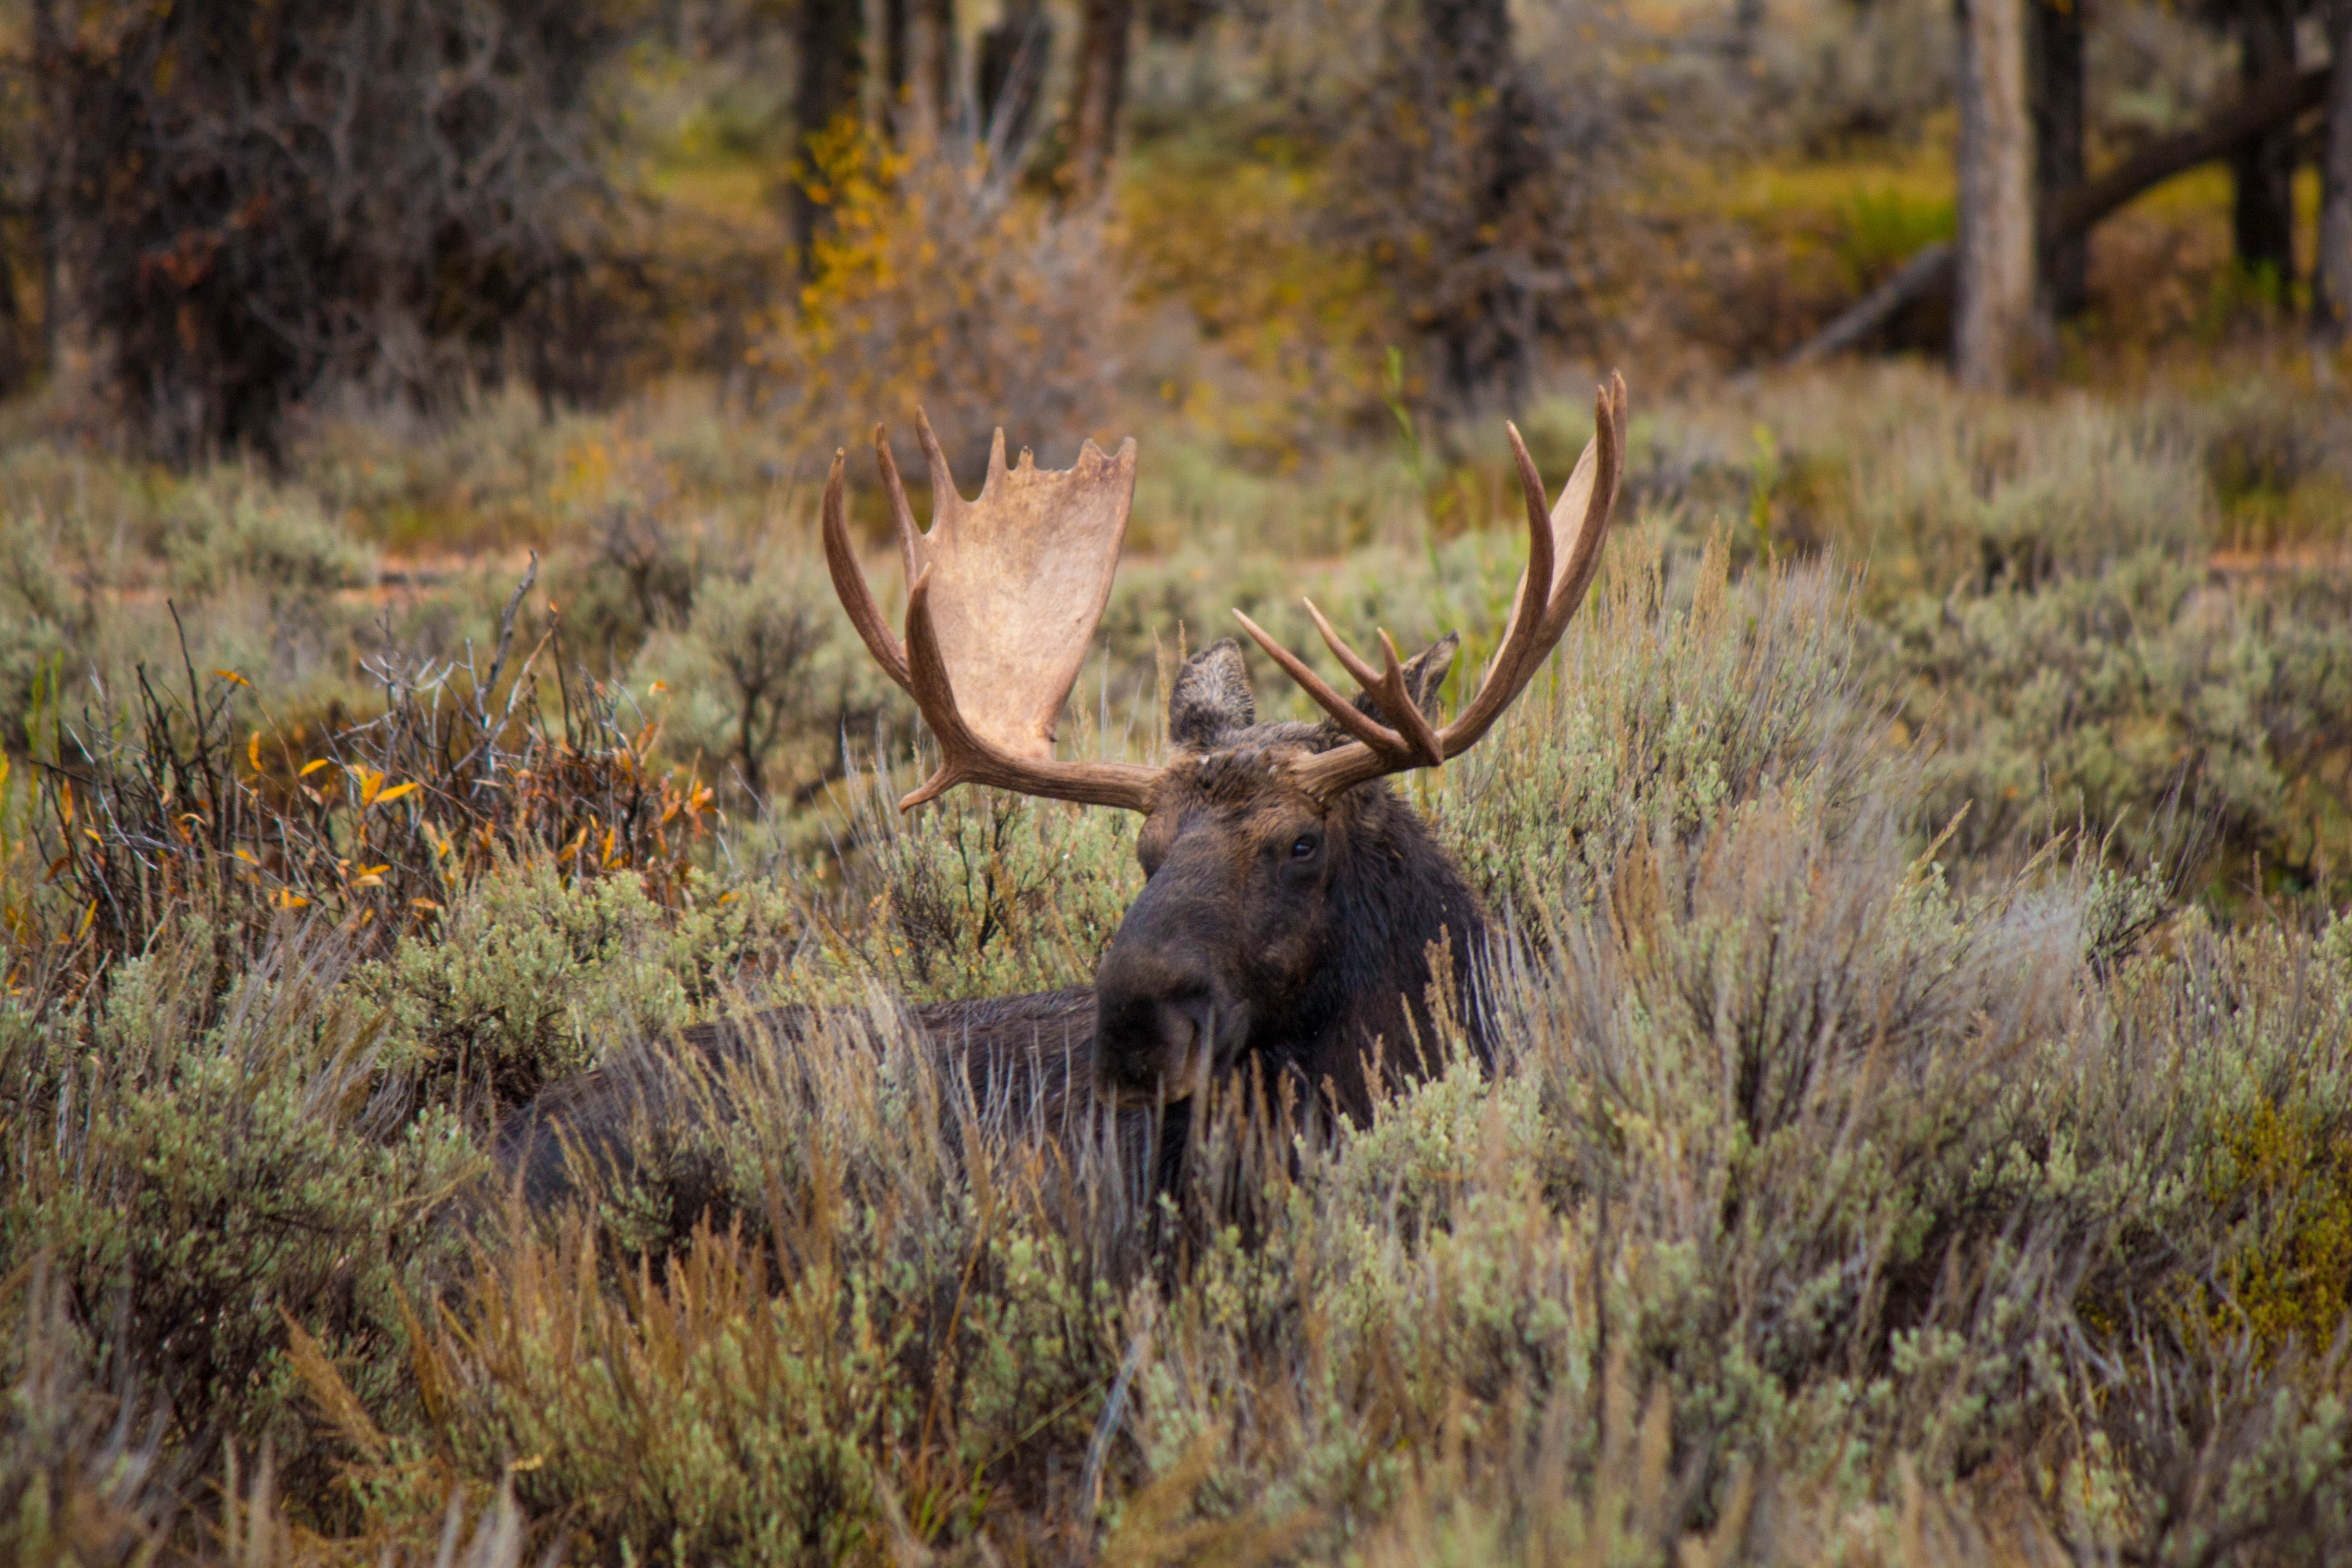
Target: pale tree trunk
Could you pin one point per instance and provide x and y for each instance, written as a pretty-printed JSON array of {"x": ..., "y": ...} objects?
[
  {"x": 1103, "y": 30},
  {"x": 1996, "y": 243},
  {"x": 2332, "y": 301},
  {"x": 932, "y": 58},
  {"x": 1014, "y": 55}
]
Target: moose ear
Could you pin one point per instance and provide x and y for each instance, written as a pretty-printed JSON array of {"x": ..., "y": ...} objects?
[
  {"x": 1424, "y": 672},
  {"x": 1211, "y": 698}
]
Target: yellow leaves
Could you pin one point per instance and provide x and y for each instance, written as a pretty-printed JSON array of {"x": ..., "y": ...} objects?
[
  {"x": 232, "y": 677},
  {"x": 287, "y": 898},
  {"x": 253, "y": 751},
  {"x": 310, "y": 768},
  {"x": 396, "y": 792}
]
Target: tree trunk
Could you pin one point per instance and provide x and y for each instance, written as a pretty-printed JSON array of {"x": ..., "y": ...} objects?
[
  {"x": 2262, "y": 214},
  {"x": 898, "y": 47},
  {"x": 1995, "y": 242},
  {"x": 1929, "y": 274},
  {"x": 919, "y": 56},
  {"x": 831, "y": 42},
  {"x": 1103, "y": 31},
  {"x": 2332, "y": 292},
  {"x": 2058, "y": 165},
  {"x": 1487, "y": 339},
  {"x": 933, "y": 61},
  {"x": 49, "y": 206},
  {"x": 1014, "y": 55}
]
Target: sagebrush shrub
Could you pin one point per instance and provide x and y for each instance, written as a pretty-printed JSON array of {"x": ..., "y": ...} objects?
[
  {"x": 764, "y": 678},
  {"x": 189, "y": 1164},
  {"x": 1676, "y": 695},
  {"x": 530, "y": 977},
  {"x": 986, "y": 894},
  {"x": 2118, "y": 700}
]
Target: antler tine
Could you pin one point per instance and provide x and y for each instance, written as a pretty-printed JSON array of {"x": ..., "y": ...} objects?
[
  {"x": 1413, "y": 741},
  {"x": 901, "y": 512},
  {"x": 1584, "y": 557},
  {"x": 1388, "y": 685},
  {"x": 1364, "y": 673},
  {"x": 946, "y": 500},
  {"x": 1548, "y": 598},
  {"x": 850, "y": 579},
  {"x": 1428, "y": 750},
  {"x": 1540, "y": 552},
  {"x": 1352, "y": 718},
  {"x": 1549, "y": 592}
]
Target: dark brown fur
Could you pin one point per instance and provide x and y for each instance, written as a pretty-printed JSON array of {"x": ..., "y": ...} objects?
[{"x": 1273, "y": 930}]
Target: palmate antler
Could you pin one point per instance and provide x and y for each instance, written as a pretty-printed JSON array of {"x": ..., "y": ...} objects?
[
  {"x": 1561, "y": 560},
  {"x": 1006, "y": 592}
]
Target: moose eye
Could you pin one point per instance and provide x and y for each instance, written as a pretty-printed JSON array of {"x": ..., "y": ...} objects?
[{"x": 1304, "y": 846}]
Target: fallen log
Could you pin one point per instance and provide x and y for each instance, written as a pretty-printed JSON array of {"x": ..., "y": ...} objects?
[{"x": 1930, "y": 272}]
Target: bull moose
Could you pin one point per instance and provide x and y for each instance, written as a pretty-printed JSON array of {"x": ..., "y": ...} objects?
[{"x": 1292, "y": 903}]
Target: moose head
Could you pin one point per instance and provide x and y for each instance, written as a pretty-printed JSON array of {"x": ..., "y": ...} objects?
[{"x": 1292, "y": 903}]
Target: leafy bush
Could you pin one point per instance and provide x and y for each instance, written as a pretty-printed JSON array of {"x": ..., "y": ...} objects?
[
  {"x": 529, "y": 976},
  {"x": 763, "y": 674},
  {"x": 1678, "y": 695},
  {"x": 38, "y": 622},
  {"x": 989, "y": 894},
  {"x": 2122, "y": 701},
  {"x": 191, "y": 1155},
  {"x": 941, "y": 284},
  {"x": 278, "y": 541}
]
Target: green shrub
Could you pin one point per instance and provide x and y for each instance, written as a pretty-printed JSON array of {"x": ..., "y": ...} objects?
[
  {"x": 39, "y": 623},
  {"x": 232, "y": 528},
  {"x": 916, "y": 1326},
  {"x": 1675, "y": 697},
  {"x": 764, "y": 678},
  {"x": 2109, "y": 700},
  {"x": 530, "y": 977},
  {"x": 985, "y": 894},
  {"x": 191, "y": 1163}
]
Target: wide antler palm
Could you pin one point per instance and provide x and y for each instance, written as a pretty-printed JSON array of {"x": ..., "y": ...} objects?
[{"x": 1007, "y": 591}]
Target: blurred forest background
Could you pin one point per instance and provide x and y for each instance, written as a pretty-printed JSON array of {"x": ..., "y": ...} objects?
[
  {"x": 325, "y": 314},
  {"x": 1923, "y": 1124}
]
